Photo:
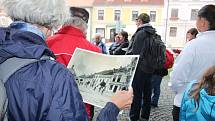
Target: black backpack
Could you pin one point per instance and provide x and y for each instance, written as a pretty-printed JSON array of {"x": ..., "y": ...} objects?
[{"x": 154, "y": 52}]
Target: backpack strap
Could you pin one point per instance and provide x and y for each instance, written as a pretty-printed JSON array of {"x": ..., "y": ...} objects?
[
  {"x": 3, "y": 101},
  {"x": 13, "y": 64}
]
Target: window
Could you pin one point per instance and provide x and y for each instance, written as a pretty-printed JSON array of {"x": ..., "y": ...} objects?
[
  {"x": 101, "y": 31},
  {"x": 134, "y": 15},
  {"x": 173, "y": 31},
  {"x": 174, "y": 13},
  {"x": 194, "y": 13},
  {"x": 117, "y": 15},
  {"x": 152, "y": 16},
  {"x": 100, "y": 14}
]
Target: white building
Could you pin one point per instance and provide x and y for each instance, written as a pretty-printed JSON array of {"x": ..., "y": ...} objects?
[{"x": 181, "y": 17}]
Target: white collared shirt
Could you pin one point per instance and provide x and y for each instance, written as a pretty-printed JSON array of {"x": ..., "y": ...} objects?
[{"x": 197, "y": 56}]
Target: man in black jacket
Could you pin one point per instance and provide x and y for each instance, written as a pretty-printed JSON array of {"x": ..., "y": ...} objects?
[{"x": 142, "y": 80}]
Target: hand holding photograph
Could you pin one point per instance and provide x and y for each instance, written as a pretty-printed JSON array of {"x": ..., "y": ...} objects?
[{"x": 99, "y": 76}]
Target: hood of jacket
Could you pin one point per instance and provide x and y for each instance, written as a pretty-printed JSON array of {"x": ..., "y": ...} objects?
[
  {"x": 147, "y": 27},
  {"x": 208, "y": 103},
  {"x": 23, "y": 44},
  {"x": 206, "y": 106}
]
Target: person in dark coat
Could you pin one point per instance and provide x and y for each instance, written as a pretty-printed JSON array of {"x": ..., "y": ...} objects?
[
  {"x": 44, "y": 90},
  {"x": 142, "y": 78},
  {"x": 119, "y": 47}
]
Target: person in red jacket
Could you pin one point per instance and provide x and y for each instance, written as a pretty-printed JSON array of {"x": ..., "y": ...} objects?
[{"x": 71, "y": 36}]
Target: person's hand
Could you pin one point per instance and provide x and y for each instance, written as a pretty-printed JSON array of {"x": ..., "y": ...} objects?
[{"x": 123, "y": 99}]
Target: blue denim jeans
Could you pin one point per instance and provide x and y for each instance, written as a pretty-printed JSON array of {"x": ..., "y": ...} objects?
[{"x": 156, "y": 82}]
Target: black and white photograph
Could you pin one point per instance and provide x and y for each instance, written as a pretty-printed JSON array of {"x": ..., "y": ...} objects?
[{"x": 99, "y": 76}]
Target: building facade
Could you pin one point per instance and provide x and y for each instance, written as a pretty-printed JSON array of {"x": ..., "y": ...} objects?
[
  {"x": 181, "y": 17},
  {"x": 111, "y": 16}
]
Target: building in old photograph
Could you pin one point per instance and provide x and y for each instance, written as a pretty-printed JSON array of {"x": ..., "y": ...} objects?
[{"x": 108, "y": 80}]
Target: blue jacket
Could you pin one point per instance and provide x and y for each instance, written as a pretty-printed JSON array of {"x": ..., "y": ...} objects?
[
  {"x": 102, "y": 46},
  {"x": 45, "y": 90},
  {"x": 205, "y": 111}
]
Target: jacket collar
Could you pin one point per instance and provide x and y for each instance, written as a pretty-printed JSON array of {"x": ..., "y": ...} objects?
[
  {"x": 205, "y": 95},
  {"x": 144, "y": 25},
  {"x": 23, "y": 44},
  {"x": 211, "y": 32},
  {"x": 20, "y": 25},
  {"x": 70, "y": 30}
]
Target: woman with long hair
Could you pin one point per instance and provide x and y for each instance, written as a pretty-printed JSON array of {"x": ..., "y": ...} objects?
[{"x": 199, "y": 99}]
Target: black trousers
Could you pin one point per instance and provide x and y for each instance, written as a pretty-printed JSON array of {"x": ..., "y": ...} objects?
[
  {"x": 142, "y": 92},
  {"x": 91, "y": 112},
  {"x": 175, "y": 113}
]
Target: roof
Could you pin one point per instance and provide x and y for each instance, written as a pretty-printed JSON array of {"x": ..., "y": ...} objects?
[
  {"x": 128, "y": 2},
  {"x": 80, "y": 3}
]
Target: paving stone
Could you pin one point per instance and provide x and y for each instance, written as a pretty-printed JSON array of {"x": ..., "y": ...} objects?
[{"x": 162, "y": 113}]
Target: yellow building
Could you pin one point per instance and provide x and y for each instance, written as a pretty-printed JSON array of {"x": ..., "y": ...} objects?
[{"x": 111, "y": 16}]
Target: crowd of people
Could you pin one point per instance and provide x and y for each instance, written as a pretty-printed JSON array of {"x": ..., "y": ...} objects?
[{"x": 44, "y": 89}]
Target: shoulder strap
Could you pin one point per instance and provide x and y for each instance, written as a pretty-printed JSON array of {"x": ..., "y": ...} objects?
[
  {"x": 3, "y": 102},
  {"x": 13, "y": 64}
]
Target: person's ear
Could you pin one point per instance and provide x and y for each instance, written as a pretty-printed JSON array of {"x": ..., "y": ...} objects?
[{"x": 204, "y": 23}]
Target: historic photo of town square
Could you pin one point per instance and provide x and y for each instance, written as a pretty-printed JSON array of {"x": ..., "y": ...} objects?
[{"x": 99, "y": 76}]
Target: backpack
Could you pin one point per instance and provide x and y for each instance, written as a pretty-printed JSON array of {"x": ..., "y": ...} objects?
[
  {"x": 154, "y": 54},
  {"x": 8, "y": 68},
  {"x": 3, "y": 102},
  {"x": 169, "y": 60}
]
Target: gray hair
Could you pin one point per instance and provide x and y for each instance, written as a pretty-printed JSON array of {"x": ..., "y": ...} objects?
[
  {"x": 48, "y": 13},
  {"x": 78, "y": 23},
  {"x": 97, "y": 35}
]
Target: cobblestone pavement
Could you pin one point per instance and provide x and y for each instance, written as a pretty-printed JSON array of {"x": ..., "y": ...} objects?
[{"x": 163, "y": 112}]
